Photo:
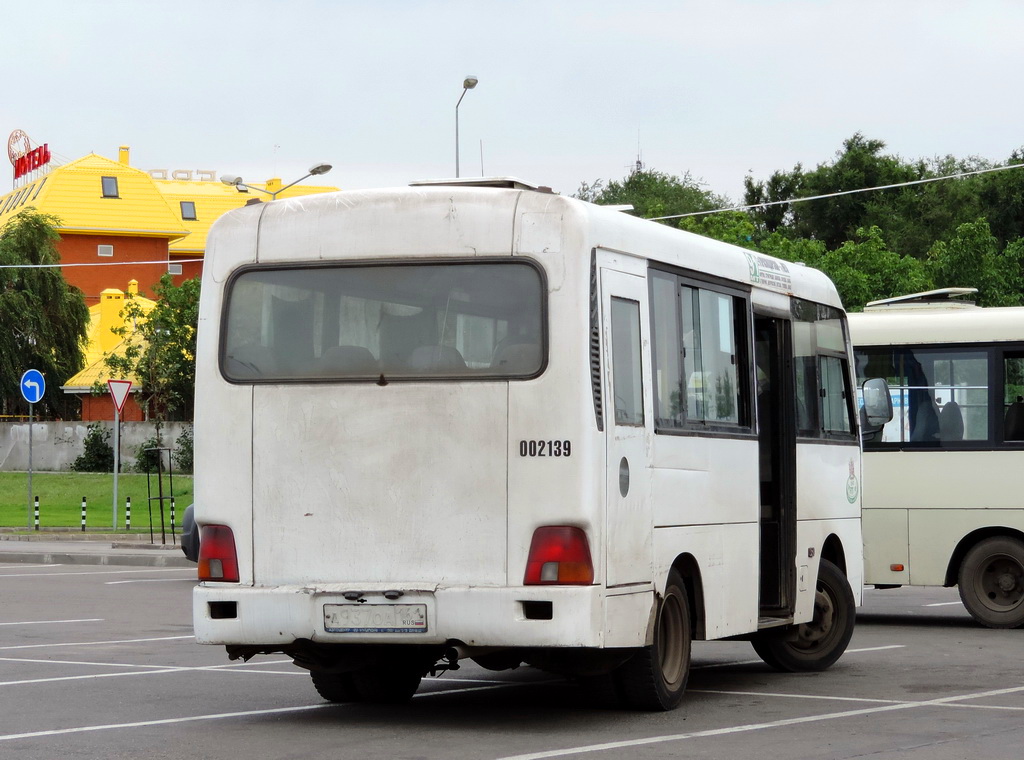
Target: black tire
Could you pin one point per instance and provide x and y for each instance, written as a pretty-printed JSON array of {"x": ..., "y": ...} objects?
[
  {"x": 991, "y": 582},
  {"x": 655, "y": 677},
  {"x": 818, "y": 644},
  {"x": 334, "y": 687},
  {"x": 392, "y": 683}
]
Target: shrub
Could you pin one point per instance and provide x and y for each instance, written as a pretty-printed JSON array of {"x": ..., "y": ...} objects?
[
  {"x": 98, "y": 455},
  {"x": 183, "y": 450}
]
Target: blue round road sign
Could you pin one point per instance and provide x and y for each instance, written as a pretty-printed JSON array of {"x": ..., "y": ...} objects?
[{"x": 33, "y": 385}]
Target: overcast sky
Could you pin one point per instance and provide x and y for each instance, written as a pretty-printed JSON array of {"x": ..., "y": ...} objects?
[{"x": 569, "y": 91}]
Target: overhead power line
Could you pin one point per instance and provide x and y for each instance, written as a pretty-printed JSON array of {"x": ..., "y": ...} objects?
[
  {"x": 97, "y": 264},
  {"x": 837, "y": 194}
]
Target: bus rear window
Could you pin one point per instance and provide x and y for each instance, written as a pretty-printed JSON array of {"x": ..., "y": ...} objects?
[{"x": 472, "y": 320}]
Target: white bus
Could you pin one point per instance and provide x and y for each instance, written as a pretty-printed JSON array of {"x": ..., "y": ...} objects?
[
  {"x": 944, "y": 480},
  {"x": 480, "y": 420}
]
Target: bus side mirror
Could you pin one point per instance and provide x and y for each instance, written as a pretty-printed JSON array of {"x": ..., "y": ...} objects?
[{"x": 877, "y": 409}]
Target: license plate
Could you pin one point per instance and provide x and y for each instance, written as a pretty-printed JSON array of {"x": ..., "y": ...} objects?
[{"x": 375, "y": 618}]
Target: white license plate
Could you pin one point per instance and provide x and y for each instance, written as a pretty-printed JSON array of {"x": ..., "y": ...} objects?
[{"x": 375, "y": 618}]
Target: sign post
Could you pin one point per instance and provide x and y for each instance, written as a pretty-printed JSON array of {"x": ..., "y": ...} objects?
[
  {"x": 33, "y": 386},
  {"x": 119, "y": 392}
]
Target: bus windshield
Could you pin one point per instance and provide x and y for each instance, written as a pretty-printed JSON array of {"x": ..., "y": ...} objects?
[{"x": 465, "y": 320}]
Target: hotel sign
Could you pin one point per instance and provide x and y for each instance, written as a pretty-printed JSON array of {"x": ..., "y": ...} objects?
[{"x": 25, "y": 158}]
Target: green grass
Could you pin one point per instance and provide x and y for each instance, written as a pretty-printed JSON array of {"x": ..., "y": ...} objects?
[{"x": 60, "y": 499}]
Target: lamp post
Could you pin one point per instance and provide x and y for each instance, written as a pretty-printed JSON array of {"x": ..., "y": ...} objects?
[
  {"x": 467, "y": 84},
  {"x": 235, "y": 181}
]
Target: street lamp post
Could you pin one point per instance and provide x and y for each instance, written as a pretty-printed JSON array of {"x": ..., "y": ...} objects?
[
  {"x": 235, "y": 181},
  {"x": 467, "y": 84}
]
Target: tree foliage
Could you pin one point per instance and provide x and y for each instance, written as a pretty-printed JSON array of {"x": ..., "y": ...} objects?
[
  {"x": 44, "y": 319},
  {"x": 652, "y": 193},
  {"x": 159, "y": 348}
]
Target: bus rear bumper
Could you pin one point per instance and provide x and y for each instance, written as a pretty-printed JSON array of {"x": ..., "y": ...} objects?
[{"x": 540, "y": 616}]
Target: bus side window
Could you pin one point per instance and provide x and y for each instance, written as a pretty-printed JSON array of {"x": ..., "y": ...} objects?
[
  {"x": 627, "y": 382},
  {"x": 1013, "y": 397}
]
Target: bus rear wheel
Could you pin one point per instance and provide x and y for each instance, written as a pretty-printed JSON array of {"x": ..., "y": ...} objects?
[
  {"x": 817, "y": 644},
  {"x": 992, "y": 582},
  {"x": 655, "y": 677},
  {"x": 334, "y": 687}
]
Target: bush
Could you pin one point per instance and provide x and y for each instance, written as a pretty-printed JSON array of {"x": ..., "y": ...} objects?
[
  {"x": 148, "y": 461},
  {"x": 98, "y": 455},
  {"x": 183, "y": 450}
]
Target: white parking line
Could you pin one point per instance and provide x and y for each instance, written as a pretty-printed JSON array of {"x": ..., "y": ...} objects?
[
  {"x": 942, "y": 604},
  {"x": 759, "y": 661},
  {"x": 190, "y": 579},
  {"x": 53, "y": 622},
  {"x": 587, "y": 748},
  {"x": 90, "y": 572},
  {"x": 95, "y": 643}
]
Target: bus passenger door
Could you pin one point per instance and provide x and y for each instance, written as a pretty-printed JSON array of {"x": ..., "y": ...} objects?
[
  {"x": 628, "y": 524},
  {"x": 777, "y": 453}
]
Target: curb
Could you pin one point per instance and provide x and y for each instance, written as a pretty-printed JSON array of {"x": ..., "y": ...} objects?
[{"x": 67, "y": 558}]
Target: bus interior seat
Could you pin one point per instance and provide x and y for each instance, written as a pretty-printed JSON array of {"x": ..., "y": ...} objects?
[
  {"x": 250, "y": 360},
  {"x": 436, "y": 359},
  {"x": 951, "y": 422},
  {"x": 349, "y": 360},
  {"x": 1013, "y": 422},
  {"x": 517, "y": 357}
]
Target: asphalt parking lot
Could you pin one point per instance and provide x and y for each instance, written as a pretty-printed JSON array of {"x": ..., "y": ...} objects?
[{"x": 99, "y": 662}]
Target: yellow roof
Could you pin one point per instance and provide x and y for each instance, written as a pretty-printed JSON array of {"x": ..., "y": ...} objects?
[
  {"x": 212, "y": 199},
  {"x": 74, "y": 193},
  {"x": 101, "y": 341}
]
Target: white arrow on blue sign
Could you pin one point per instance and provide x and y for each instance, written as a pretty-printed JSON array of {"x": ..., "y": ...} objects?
[{"x": 33, "y": 385}]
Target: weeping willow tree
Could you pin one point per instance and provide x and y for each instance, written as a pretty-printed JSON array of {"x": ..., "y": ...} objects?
[{"x": 43, "y": 320}]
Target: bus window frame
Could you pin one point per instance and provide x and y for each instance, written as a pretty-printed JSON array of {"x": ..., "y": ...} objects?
[{"x": 229, "y": 285}]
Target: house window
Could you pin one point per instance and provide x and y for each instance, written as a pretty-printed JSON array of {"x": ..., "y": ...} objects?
[
  {"x": 188, "y": 210},
  {"x": 110, "y": 187},
  {"x": 174, "y": 269},
  {"x": 104, "y": 250}
]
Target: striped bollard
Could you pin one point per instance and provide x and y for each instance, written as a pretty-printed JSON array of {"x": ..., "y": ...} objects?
[
  {"x": 172, "y": 515},
  {"x": 128, "y": 513},
  {"x": 83, "y": 514},
  {"x": 37, "y": 513}
]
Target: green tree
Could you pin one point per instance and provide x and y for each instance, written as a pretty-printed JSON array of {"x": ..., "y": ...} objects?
[
  {"x": 160, "y": 348},
  {"x": 653, "y": 194},
  {"x": 44, "y": 319},
  {"x": 973, "y": 259}
]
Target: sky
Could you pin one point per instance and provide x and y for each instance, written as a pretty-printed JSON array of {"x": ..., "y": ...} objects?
[{"x": 570, "y": 91}]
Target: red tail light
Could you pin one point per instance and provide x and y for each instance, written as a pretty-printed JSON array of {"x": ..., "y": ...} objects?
[
  {"x": 559, "y": 554},
  {"x": 218, "y": 560}
]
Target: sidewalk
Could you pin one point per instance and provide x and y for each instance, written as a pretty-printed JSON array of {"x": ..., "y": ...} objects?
[{"x": 71, "y": 548}]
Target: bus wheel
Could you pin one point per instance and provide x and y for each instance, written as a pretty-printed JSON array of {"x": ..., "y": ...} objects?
[
  {"x": 819, "y": 643},
  {"x": 992, "y": 582},
  {"x": 391, "y": 683},
  {"x": 655, "y": 677},
  {"x": 334, "y": 687}
]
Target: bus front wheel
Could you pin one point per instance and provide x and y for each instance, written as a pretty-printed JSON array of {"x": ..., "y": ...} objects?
[
  {"x": 817, "y": 644},
  {"x": 655, "y": 677},
  {"x": 992, "y": 582}
]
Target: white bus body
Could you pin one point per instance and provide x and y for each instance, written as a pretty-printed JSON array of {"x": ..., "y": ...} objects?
[
  {"x": 492, "y": 422},
  {"x": 944, "y": 481}
]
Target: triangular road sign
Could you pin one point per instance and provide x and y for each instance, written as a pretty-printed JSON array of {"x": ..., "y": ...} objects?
[{"x": 119, "y": 392}]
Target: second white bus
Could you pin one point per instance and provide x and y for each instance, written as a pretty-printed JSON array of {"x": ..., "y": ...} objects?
[
  {"x": 490, "y": 422},
  {"x": 944, "y": 481}
]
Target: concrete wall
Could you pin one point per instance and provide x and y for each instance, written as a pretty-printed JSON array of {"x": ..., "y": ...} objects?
[{"x": 55, "y": 445}]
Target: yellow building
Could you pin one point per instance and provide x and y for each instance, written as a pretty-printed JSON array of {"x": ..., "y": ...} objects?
[{"x": 137, "y": 224}]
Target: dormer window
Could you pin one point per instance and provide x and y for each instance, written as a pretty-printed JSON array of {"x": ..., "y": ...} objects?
[
  {"x": 110, "y": 187},
  {"x": 188, "y": 211}
]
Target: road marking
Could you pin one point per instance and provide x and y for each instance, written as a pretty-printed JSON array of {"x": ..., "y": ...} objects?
[
  {"x": 222, "y": 716},
  {"x": 942, "y": 604},
  {"x": 583, "y": 749},
  {"x": 759, "y": 661},
  {"x": 52, "y": 622},
  {"x": 152, "y": 580},
  {"x": 795, "y": 696},
  {"x": 90, "y": 572},
  {"x": 95, "y": 643}
]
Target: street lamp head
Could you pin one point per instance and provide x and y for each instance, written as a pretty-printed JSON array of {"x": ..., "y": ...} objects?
[
  {"x": 319, "y": 169},
  {"x": 470, "y": 82}
]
